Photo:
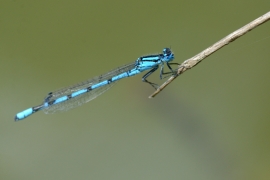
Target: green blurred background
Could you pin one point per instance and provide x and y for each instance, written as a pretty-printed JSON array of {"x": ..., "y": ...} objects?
[{"x": 210, "y": 123}]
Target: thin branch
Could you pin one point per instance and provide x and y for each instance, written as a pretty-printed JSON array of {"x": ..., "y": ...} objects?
[{"x": 190, "y": 63}]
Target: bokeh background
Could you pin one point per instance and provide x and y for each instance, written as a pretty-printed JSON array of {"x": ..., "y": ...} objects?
[{"x": 210, "y": 123}]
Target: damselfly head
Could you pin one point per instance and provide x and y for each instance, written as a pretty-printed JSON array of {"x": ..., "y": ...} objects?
[
  {"x": 167, "y": 51},
  {"x": 167, "y": 55}
]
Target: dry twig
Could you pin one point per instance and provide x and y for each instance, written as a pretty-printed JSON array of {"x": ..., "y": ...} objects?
[{"x": 190, "y": 63}]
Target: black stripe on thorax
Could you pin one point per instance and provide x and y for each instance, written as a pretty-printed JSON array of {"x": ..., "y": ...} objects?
[{"x": 143, "y": 58}]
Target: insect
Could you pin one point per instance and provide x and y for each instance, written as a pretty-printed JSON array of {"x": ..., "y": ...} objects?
[{"x": 78, "y": 94}]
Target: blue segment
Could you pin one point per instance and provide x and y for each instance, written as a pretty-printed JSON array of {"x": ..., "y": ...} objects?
[
  {"x": 78, "y": 92},
  {"x": 100, "y": 84},
  {"x": 120, "y": 76},
  {"x": 61, "y": 99},
  {"x": 46, "y": 104},
  {"x": 24, "y": 114}
]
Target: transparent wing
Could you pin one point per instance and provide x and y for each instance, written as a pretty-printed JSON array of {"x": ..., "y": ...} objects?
[{"x": 86, "y": 97}]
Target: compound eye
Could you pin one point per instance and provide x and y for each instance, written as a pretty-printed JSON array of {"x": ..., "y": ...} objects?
[{"x": 166, "y": 51}]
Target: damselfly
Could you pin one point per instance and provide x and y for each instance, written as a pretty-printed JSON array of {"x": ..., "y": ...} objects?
[{"x": 76, "y": 95}]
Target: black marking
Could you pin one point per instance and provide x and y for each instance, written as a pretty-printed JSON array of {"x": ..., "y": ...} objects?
[
  {"x": 69, "y": 96},
  {"x": 150, "y": 56},
  {"x": 128, "y": 73},
  {"x": 51, "y": 102},
  {"x": 48, "y": 97},
  {"x": 155, "y": 60},
  {"x": 37, "y": 108},
  {"x": 109, "y": 81},
  {"x": 34, "y": 109},
  {"x": 16, "y": 118},
  {"x": 89, "y": 88}
]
